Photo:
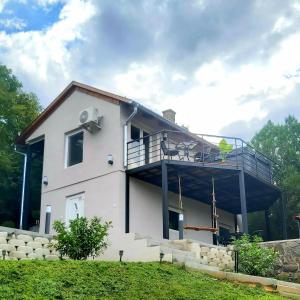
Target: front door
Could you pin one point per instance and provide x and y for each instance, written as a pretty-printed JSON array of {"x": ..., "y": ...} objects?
[{"x": 74, "y": 207}]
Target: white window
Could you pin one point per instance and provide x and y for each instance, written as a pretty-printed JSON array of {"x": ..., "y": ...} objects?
[
  {"x": 74, "y": 148},
  {"x": 74, "y": 207}
]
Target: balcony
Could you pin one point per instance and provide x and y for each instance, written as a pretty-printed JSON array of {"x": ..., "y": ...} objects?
[
  {"x": 201, "y": 150},
  {"x": 186, "y": 163}
]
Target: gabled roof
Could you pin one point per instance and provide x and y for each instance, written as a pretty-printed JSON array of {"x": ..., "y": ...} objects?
[{"x": 61, "y": 98}]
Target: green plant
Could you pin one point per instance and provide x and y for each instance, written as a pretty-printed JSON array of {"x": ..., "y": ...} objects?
[
  {"x": 253, "y": 258},
  {"x": 224, "y": 148},
  {"x": 82, "y": 238}
]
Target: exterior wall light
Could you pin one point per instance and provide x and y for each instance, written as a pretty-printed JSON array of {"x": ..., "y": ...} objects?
[
  {"x": 110, "y": 159},
  {"x": 121, "y": 252},
  {"x": 45, "y": 180}
]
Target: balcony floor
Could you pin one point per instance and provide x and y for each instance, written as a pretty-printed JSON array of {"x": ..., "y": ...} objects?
[{"x": 196, "y": 183}]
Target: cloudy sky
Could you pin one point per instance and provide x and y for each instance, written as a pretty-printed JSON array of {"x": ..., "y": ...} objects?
[{"x": 225, "y": 67}]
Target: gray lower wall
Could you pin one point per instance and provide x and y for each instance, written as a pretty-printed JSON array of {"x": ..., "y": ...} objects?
[{"x": 146, "y": 213}]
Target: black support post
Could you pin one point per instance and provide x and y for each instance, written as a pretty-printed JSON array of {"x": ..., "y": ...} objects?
[
  {"x": 127, "y": 202},
  {"x": 235, "y": 223},
  {"x": 243, "y": 201},
  {"x": 267, "y": 221},
  {"x": 283, "y": 216},
  {"x": 165, "y": 199},
  {"x": 26, "y": 204}
]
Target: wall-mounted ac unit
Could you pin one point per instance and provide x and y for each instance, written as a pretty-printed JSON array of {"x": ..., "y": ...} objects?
[{"x": 90, "y": 119}]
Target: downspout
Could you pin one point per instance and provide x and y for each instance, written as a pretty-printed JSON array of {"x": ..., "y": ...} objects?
[
  {"x": 135, "y": 109},
  {"x": 23, "y": 186}
]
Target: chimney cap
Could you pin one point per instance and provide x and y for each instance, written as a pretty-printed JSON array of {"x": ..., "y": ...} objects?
[
  {"x": 169, "y": 114},
  {"x": 169, "y": 110}
]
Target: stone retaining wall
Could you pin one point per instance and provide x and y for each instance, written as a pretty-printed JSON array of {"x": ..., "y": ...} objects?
[
  {"x": 289, "y": 257},
  {"x": 20, "y": 244}
]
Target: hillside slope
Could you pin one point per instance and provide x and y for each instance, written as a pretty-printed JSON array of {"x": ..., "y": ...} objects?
[{"x": 111, "y": 280}]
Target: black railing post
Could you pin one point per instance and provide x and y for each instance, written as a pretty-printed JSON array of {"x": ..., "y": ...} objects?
[{"x": 165, "y": 199}]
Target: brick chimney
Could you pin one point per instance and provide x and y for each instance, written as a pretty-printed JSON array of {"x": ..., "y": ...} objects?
[{"x": 169, "y": 114}]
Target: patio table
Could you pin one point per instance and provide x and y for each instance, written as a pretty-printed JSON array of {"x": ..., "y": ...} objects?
[{"x": 186, "y": 147}]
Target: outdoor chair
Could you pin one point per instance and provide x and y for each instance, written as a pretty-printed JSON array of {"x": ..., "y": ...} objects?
[{"x": 167, "y": 151}]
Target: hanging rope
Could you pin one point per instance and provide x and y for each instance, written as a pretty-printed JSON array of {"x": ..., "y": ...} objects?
[
  {"x": 180, "y": 206},
  {"x": 215, "y": 227}
]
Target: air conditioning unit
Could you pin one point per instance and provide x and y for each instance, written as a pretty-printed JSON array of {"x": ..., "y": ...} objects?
[{"x": 90, "y": 119}]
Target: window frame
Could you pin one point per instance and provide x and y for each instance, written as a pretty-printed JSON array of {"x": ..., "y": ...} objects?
[{"x": 67, "y": 146}]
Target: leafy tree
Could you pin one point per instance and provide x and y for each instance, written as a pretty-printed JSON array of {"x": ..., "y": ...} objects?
[
  {"x": 281, "y": 142},
  {"x": 82, "y": 239},
  {"x": 17, "y": 110},
  {"x": 254, "y": 259}
]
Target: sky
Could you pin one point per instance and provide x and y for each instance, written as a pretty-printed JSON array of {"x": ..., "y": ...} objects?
[{"x": 226, "y": 67}]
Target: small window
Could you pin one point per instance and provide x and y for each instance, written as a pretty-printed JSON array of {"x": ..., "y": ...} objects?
[
  {"x": 74, "y": 148},
  {"x": 173, "y": 220}
]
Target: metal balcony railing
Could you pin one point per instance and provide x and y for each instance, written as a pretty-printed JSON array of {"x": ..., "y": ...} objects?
[{"x": 203, "y": 149}]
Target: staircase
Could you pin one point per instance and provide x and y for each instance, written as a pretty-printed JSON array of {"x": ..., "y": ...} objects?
[{"x": 191, "y": 253}]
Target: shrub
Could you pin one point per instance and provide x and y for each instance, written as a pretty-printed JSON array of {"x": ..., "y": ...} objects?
[
  {"x": 254, "y": 259},
  {"x": 82, "y": 238}
]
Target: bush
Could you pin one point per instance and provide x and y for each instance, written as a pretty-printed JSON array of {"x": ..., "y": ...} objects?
[
  {"x": 82, "y": 238},
  {"x": 254, "y": 259}
]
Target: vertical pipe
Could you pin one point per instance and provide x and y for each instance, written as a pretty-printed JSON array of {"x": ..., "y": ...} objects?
[
  {"x": 127, "y": 202},
  {"x": 125, "y": 145},
  {"x": 26, "y": 202},
  {"x": 23, "y": 189},
  {"x": 165, "y": 200},
  {"x": 243, "y": 201},
  {"x": 267, "y": 221},
  {"x": 48, "y": 219}
]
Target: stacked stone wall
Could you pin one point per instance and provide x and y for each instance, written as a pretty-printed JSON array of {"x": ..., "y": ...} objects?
[
  {"x": 288, "y": 265},
  {"x": 23, "y": 245}
]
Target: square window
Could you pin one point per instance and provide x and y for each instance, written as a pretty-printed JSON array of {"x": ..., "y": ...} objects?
[
  {"x": 173, "y": 220},
  {"x": 74, "y": 148}
]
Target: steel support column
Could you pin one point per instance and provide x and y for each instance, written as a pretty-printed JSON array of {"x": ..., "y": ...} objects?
[
  {"x": 243, "y": 201},
  {"x": 267, "y": 222},
  {"x": 283, "y": 216},
  {"x": 127, "y": 202},
  {"x": 165, "y": 199}
]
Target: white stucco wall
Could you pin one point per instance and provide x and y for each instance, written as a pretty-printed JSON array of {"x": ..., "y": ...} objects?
[
  {"x": 101, "y": 182},
  {"x": 146, "y": 213}
]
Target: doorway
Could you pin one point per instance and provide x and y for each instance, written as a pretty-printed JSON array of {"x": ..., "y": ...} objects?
[{"x": 74, "y": 207}]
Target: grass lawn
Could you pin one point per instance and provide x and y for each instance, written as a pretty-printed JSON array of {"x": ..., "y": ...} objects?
[{"x": 112, "y": 280}]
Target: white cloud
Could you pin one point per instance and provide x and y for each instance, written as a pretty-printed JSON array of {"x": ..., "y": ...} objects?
[
  {"x": 218, "y": 95},
  {"x": 13, "y": 23},
  {"x": 208, "y": 90},
  {"x": 43, "y": 57}
]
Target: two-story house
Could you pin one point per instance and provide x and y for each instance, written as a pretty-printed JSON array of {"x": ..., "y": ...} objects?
[{"x": 108, "y": 156}]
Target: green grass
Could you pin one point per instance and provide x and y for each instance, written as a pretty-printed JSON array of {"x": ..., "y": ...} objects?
[{"x": 112, "y": 280}]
